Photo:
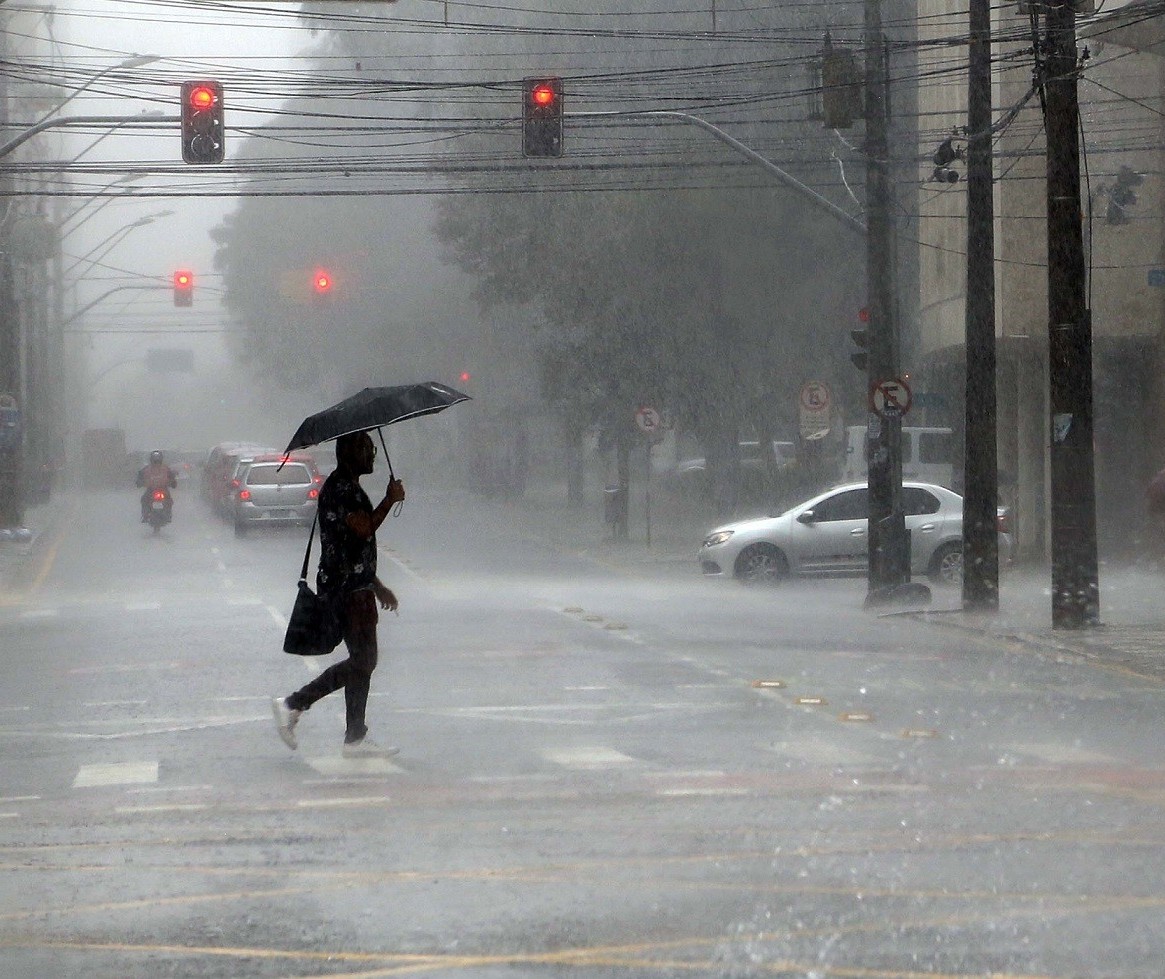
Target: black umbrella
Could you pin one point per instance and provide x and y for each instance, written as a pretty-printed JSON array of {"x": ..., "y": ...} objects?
[{"x": 374, "y": 408}]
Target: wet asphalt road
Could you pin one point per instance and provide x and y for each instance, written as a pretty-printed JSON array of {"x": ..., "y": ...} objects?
[{"x": 591, "y": 781}]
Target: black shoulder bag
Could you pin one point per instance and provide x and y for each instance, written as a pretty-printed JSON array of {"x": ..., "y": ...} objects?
[{"x": 314, "y": 628}]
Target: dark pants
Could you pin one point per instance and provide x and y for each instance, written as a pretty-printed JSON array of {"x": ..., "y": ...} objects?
[{"x": 354, "y": 674}]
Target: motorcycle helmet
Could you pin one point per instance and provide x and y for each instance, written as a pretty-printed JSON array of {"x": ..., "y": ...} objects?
[{"x": 156, "y": 456}]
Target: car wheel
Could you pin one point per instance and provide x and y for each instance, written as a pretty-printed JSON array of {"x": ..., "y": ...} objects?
[
  {"x": 761, "y": 563},
  {"x": 946, "y": 566}
]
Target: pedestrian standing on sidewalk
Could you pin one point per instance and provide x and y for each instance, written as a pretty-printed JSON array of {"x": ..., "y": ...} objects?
[{"x": 347, "y": 576}]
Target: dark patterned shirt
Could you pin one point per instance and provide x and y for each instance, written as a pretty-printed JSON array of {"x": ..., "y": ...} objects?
[{"x": 347, "y": 563}]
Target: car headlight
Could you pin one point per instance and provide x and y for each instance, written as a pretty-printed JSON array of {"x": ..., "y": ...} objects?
[{"x": 717, "y": 538}]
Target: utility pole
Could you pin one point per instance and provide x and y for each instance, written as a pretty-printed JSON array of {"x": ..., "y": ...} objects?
[
  {"x": 1075, "y": 585},
  {"x": 11, "y": 353},
  {"x": 889, "y": 545},
  {"x": 980, "y": 467}
]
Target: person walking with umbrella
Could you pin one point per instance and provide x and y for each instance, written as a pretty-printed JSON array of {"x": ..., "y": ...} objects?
[{"x": 347, "y": 576}]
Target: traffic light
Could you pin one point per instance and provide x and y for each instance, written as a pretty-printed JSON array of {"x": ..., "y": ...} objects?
[
  {"x": 202, "y": 122},
  {"x": 183, "y": 288},
  {"x": 464, "y": 377},
  {"x": 861, "y": 339},
  {"x": 542, "y": 117},
  {"x": 322, "y": 282}
]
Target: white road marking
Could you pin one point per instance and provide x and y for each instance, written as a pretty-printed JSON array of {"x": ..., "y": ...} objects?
[
  {"x": 701, "y": 792},
  {"x": 352, "y": 801},
  {"x": 40, "y": 613},
  {"x": 5, "y": 800},
  {"x": 169, "y": 788},
  {"x": 337, "y": 765},
  {"x": 401, "y": 565},
  {"x": 114, "y": 703},
  {"x": 117, "y": 773},
  {"x": 176, "y": 807},
  {"x": 587, "y": 757},
  {"x": 279, "y": 617}
]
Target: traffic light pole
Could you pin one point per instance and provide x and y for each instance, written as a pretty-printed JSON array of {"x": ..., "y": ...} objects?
[
  {"x": 1075, "y": 584},
  {"x": 846, "y": 219},
  {"x": 889, "y": 544}
]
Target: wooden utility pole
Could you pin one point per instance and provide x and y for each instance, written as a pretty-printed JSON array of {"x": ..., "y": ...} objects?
[
  {"x": 980, "y": 467},
  {"x": 889, "y": 546},
  {"x": 1075, "y": 585}
]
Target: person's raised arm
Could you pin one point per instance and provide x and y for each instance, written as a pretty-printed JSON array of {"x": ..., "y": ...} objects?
[{"x": 364, "y": 523}]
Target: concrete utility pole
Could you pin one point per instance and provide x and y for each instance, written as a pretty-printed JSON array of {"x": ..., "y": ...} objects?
[
  {"x": 1075, "y": 585},
  {"x": 980, "y": 467},
  {"x": 11, "y": 352},
  {"x": 889, "y": 545}
]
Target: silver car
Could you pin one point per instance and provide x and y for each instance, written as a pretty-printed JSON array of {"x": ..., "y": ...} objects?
[
  {"x": 829, "y": 534},
  {"x": 271, "y": 490}
]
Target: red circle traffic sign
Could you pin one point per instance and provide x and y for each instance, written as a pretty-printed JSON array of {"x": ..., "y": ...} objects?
[{"x": 890, "y": 398}]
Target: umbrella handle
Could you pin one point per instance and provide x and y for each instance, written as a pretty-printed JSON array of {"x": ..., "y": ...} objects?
[{"x": 391, "y": 475}]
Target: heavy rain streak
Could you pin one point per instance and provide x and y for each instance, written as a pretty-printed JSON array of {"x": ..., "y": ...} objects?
[{"x": 627, "y": 488}]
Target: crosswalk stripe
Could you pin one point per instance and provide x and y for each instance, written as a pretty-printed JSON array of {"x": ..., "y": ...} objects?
[
  {"x": 587, "y": 757},
  {"x": 117, "y": 773}
]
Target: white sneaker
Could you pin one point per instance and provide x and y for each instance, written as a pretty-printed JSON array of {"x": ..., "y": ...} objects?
[
  {"x": 367, "y": 748},
  {"x": 285, "y": 721}
]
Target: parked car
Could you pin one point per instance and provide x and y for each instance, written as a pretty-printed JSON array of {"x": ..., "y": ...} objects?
[
  {"x": 274, "y": 489},
  {"x": 828, "y": 535}
]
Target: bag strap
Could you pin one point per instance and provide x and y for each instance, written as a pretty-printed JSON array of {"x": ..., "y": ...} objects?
[{"x": 307, "y": 553}]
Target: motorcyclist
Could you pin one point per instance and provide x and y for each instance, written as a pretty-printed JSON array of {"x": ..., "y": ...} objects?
[{"x": 156, "y": 475}]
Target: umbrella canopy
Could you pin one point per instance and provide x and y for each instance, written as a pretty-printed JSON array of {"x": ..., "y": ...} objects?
[{"x": 374, "y": 408}]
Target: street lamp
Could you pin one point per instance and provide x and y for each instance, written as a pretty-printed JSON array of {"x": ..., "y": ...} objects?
[
  {"x": 134, "y": 61},
  {"x": 24, "y": 332},
  {"x": 113, "y": 240},
  {"x": 125, "y": 192}
]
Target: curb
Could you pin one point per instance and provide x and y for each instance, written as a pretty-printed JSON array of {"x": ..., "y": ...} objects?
[{"x": 1100, "y": 653}]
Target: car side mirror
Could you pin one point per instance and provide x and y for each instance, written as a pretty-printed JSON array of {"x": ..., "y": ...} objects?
[{"x": 806, "y": 517}]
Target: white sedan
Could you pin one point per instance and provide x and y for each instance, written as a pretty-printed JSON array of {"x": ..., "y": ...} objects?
[{"x": 829, "y": 534}]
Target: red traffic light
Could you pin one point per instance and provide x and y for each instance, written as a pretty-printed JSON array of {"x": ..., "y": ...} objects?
[
  {"x": 203, "y": 125},
  {"x": 463, "y": 376},
  {"x": 321, "y": 281},
  {"x": 864, "y": 314},
  {"x": 543, "y": 95},
  {"x": 202, "y": 97},
  {"x": 183, "y": 288}
]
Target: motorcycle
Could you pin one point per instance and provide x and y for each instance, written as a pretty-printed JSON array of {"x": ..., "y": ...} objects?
[{"x": 159, "y": 509}]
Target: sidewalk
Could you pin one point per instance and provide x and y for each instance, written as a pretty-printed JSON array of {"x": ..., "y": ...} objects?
[
  {"x": 16, "y": 551},
  {"x": 1131, "y": 636}
]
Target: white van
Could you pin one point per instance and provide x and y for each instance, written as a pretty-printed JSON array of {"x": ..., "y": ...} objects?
[{"x": 927, "y": 455}]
